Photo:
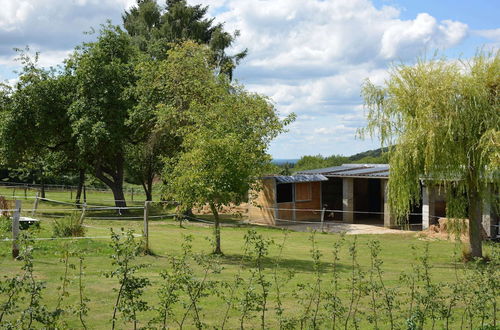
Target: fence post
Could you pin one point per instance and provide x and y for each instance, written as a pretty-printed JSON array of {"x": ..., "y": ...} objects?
[
  {"x": 132, "y": 193},
  {"x": 146, "y": 225},
  {"x": 322, "y": 219},
  {"x": 14, "y": 192},
  {"x": 84, "y": 208},
  {"x": 71, "y": 194},
  {"x": 25, "y": 192},
  {"x": 35, "y": 204},
  {"x": 15, "y": 229}
]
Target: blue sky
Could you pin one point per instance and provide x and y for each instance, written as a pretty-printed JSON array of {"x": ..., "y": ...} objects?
[{"x": 309, "y": 56}]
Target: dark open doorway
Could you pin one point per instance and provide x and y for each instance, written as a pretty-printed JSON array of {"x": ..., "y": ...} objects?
[
  {"x": 331, "y": 196},
  {"x": 368, "y": 201}
]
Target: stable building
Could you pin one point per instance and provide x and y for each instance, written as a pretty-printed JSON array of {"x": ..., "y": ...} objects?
[{"x": 350, "y": 193}]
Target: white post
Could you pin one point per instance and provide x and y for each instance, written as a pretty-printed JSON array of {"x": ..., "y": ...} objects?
[
  {"x": 487, "y": 217},
  {"x": 146, "y": 224},
  {"x": 35, "y": 204},
  {"x": 427, "y": 206},
  {"x": 348, "y": 200},
  {"x": 15, "y": 229},
  {"x": 322, "y": 219}
]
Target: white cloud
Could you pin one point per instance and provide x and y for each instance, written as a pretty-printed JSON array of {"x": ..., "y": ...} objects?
[
  {"x": 310, "y": 57},
  {"x": 492, "y": 34}
]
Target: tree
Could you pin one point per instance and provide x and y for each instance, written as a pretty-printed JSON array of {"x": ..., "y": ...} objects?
[
  {"x": 443, "y": 120},
  {"x": 35, "y": 131},
  {"x": 155, "y": 29},
  {"x": 104, "y": 73},
  {"x": 224, "y": 140}
]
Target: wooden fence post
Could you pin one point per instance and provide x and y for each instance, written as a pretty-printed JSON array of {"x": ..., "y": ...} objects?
[
  {"x": 25, "y": 192},
  {"x": 15, "y": 229},
  {"x": 84, "y": 208},
  {"x": 322, "y": 219},
  {"x": 71, "y": 194},
  {"x": 146, "y": 225},
  {"x": 132, "y": 193},
  {"x": 35, "y": 203}
]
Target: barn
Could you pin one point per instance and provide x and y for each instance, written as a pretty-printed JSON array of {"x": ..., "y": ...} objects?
[{"x": 349, "y": 193}]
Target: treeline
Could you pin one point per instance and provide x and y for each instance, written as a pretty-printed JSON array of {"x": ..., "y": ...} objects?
[
  {"x": 261, "y": 293},
  {"x": 376, "y": 156},
  {"x": 151, "y": 100}
]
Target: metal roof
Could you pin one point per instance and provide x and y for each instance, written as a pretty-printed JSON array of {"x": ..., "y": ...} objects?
[
  {"x": 300, "y": 178},
  {"x": 353, "y": 170}
]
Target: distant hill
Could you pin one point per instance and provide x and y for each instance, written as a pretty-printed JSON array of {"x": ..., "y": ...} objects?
[{"x": 369, "y": 154}]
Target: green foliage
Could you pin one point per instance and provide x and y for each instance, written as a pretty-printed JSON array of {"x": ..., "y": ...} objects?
[
  {"x": 129, "y": 295},
  {"x": 440, "y": 119},
  {"x": 225, "y": 132},
  {"x": 339, "y": 293},
  {"x": 155, "y": 29},
  {"x": 70, "y": 226},
  {"x": 5, "y": 226}
]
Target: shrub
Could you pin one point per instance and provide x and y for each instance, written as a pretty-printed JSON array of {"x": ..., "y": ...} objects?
[
  {"x": 68, "y": 227},
  {"x": 5, "y": 226}
]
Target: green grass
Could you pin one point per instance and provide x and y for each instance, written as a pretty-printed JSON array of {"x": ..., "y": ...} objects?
[{"x": 166, "y": 238}]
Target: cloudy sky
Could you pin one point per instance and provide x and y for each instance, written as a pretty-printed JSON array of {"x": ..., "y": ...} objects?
[{"x": 309, "y": 56}]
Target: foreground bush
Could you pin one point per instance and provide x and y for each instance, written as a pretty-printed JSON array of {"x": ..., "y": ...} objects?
[
  {"x": 70, "y": 226},
  {"x": 261, "y": 293}
]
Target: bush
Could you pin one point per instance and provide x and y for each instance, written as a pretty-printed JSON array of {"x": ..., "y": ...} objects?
[
  {"x": 68, "y": 227},
  {"x": 5, "y": 226}
]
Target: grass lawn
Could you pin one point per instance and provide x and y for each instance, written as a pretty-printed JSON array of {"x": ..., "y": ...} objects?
[{"x": 166, "y": 238}]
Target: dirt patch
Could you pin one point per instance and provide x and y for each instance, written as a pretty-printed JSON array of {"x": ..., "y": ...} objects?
[{"x": 348, "y": 228}]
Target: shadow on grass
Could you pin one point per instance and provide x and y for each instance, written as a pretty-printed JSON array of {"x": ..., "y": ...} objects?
[{"x": 298, "y": 265}]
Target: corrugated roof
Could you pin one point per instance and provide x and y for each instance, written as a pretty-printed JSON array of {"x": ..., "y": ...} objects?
[
  {"x": 353, "y": 170},
  {"x": 300, "y": 178}
]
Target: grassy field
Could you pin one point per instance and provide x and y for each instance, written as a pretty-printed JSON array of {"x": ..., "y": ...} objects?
[{"x": 166, "y": 237}]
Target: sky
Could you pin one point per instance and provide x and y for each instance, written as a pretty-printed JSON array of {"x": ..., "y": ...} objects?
[{"x": 310, "y": 57}]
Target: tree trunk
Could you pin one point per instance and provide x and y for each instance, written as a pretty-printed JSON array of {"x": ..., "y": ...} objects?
[
  {"x": 81, "y": 181},
  {"x": 475, "y": 224},
  {"x": 42, "y": 191},
  {"x": 148, "y": 189},
  {"x": 114, "y": 180},
  {"x": 217, "y": 249}
]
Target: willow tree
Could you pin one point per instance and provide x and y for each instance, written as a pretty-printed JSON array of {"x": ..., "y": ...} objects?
[{"x": 442, "y": 119}]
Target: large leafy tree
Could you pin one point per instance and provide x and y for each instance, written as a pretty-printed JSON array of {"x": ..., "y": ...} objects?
[
  {"x": 99, "y": 113},
  {"x": 225, "y": 135},
  {"x": 443, "y": 117},
  {"x": 35, "y": 131},
  {"x": 154, "y": 29}
]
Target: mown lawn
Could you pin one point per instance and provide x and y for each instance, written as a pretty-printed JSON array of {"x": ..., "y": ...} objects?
[{"x": 166, "y": 237}]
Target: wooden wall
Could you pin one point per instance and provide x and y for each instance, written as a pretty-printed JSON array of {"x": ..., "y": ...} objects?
[
  {"x": 261, "y": 207},
  {"x": 313, "y": 189}
]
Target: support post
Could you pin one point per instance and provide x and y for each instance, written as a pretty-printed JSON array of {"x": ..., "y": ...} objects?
[
  {"x": 486, "y": 217},
  {"x": 428, "y": 206},
  {"x": 389, "y": 219},
  {"x": 15, "y": 229},
  {"x": 35, "y": 203},
  {"x": 84, "y": 209},
  {"x": 348, "y": 200},
  {"x": 146, "y": 225},
  {"x": 322, "y": 219}
]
